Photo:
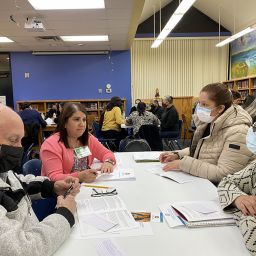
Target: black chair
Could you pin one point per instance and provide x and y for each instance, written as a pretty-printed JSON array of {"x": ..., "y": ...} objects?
[
  {"x": 151, "y": 134},
  {"x": 173, "y": 138},
  {"x": 42, "y": 207},
  {"x": 109, "y": 143},
  {"x": 130, "y": 144}
]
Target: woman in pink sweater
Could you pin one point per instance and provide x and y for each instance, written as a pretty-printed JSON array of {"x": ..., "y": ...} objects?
[{"x": 72, "y": 149}]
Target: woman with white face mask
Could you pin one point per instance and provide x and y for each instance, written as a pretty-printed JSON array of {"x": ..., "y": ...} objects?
[
  {"x": 237, "y": 192},
  {"x": 218, "y": 147}
]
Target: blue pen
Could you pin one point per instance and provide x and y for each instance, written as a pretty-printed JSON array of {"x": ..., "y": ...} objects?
[
  {"x": 68, "y": 191},
  {"x": 182, "y": 221}
]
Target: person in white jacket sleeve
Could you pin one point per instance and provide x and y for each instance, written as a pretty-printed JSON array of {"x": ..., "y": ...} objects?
[{"x": 20, "y": 231}]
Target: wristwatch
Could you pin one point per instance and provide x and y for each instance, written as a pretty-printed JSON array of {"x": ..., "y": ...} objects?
[
  {"x": 110, "y": 161},
  {"x": 176, "y": 153}
]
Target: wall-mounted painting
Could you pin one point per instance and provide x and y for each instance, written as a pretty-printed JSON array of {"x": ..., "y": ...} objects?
[{"x": 243, "y": 56}]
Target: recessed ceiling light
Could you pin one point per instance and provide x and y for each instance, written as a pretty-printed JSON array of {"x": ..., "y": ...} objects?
[
  {"x": 80, "y": 44},
  {"x": 67, "y": 4},
  {"x": 4, "y": 39},
  {"x": 84, "y": 38}
]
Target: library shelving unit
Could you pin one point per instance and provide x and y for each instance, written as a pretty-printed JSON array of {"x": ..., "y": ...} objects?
[
  {"x": 245, "y": 86},
  {"x": 94, "y": 107}
]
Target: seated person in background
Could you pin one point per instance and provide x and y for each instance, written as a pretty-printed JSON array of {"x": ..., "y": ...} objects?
[
  {"x": 50, "y": 119},
  {"x": 170, "y": 117},
  {"x": 52, "y": 111},
  {"x": 61, "y": 105},
  {"x": 237, "y": 98},
  {"x": 156, "y": 109},
  {"x": 71, "y": 150},
  {"x": 134, "y": 108},
  {"x": 21, "y": 232},
  {"x": 238, "y": 192},
  {"x": 29, "y": 115},
  {"x": 111, "y": 127},
  {"x": 248, "y": 100},
  {"x": 219, "y": 144},
  {"x": 141, "y": 117}
]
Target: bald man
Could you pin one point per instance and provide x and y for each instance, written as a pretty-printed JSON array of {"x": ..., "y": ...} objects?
[{"x": 20, "y": 231}]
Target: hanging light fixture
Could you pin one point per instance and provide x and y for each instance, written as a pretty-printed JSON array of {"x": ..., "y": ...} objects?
[{"x": 173, "y": 21}]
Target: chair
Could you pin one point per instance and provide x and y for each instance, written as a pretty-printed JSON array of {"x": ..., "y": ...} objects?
[
  {"x": 32, "y": 166},
  {"x": 97, "y": 133},
  {"x": 42, "y": 207},
  {"x": 133, "y": 145},
  {"x": 27, "y": 155},
  {"x": 173, "y": 137},
  {"x": 151, "y": 134}
]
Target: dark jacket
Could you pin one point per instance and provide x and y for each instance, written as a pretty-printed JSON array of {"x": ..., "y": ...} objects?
[
  {"x": 170, "y": 119},
  {"x": 158, "y": 111},
  {"x": 32, "y": 116}
]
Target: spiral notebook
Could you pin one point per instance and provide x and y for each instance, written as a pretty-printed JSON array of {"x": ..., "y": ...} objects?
[{"x": 193, "y": 214}]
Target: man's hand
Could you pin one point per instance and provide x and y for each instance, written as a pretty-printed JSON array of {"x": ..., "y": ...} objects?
[
  {"x": 174, "y": 165},
  {"x": 107, "y": 167},
  {"x": 246, "y": 204},
  {"x": 168, "y": 157},
  {"x": 61, "y": 186},
  {"x": 67, "y": 202},
  {"x": 87, "y": 175}
]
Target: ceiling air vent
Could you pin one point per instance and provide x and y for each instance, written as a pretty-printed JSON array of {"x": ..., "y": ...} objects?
[{"x": 48, "y": 39}]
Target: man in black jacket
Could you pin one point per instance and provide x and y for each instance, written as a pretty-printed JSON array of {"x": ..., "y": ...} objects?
[
  {"x": 156, "y": 109},
  {"x": 170, "y": 116}
]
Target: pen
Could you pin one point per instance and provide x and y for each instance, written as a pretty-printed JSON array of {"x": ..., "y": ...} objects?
[
  {"x": 95, "y": 186},
  {"x": 68, "y": 191}
]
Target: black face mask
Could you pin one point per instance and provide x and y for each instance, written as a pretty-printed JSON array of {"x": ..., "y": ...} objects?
[{"x": 10, "y": 158}]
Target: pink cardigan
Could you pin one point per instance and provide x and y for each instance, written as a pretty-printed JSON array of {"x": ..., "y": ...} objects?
[{"x": 57, "y": 160}]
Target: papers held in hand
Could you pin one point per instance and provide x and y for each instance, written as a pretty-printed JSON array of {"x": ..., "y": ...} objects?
[
  {"x": 194, "y": 214},
  {"x": 117, "y": 174},
  {"x": 144, "y": 157}
]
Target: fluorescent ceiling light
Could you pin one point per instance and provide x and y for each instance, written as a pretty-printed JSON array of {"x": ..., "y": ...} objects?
[
  {"x": 4, "y": 39},
  {"x": 235, "y": 36},
  {"x": 84, "y": 38},
  {"x": 173, "y": 21},
  {"x": 67, "y": 4}
]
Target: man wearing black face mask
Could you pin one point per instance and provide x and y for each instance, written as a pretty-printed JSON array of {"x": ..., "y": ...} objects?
[{"x": 20, "y": 231}]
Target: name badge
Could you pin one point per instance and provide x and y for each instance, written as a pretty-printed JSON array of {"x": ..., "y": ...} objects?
[{"x": 82, "y": 152}]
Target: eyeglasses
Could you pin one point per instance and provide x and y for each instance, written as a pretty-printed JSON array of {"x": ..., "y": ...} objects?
[{"x": 103, "y": 192}]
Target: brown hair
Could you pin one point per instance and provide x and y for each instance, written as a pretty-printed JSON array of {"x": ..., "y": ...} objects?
[
  {"x": 219, "y": 93},
  {"x": 68, "y": 110}
]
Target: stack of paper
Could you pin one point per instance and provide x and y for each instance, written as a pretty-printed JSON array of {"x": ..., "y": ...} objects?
[
  {"x": 103, "y": 214},
  {"x": 176, "y": 175},
  {"x": 117, "y": 174},
  {"x": 196, "y": 214},
  {"x": 142, "y": 157}
]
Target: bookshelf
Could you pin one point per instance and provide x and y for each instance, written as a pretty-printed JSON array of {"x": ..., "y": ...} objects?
[
  {"x": 245, "y": 86},
  {"x": 94, "y": 107}
]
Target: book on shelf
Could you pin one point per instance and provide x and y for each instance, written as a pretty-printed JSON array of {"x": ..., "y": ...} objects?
[{"x": 194, "y": 214}]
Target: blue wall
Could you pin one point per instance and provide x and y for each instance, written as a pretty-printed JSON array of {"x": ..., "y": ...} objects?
[{"x": 59, "y": 77}]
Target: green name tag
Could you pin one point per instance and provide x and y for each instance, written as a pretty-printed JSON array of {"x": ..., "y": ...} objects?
[{"x": 82, "y": 152}]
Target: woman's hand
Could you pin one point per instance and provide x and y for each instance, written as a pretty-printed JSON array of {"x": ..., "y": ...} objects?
[
  {"x": 246, "y": 204},
  {"x": 168, "y": 157},
  {"x": 174, "y": 165},
  {"x": 87, "y": 175},
  {"x": 107, "y": 167}
]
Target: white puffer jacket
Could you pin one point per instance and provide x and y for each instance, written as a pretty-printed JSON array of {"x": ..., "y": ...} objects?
[{"x": 221, "y": 153}]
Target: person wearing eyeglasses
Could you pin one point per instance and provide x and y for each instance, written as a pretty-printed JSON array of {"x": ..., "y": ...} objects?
[
  {"x": 237, "y": 192},
  {"x": 218, "y": 147}
]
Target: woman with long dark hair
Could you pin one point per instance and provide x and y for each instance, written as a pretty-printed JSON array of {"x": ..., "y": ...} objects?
[{"x": 71, "y": 150}]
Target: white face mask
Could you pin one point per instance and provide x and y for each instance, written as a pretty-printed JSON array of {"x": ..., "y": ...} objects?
[
  {"x": 204, "y": 114},
  {"x": 251, "y": 140}
]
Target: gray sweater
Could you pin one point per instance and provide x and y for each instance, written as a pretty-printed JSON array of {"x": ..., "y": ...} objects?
[{"x": 20, "y": 231}]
